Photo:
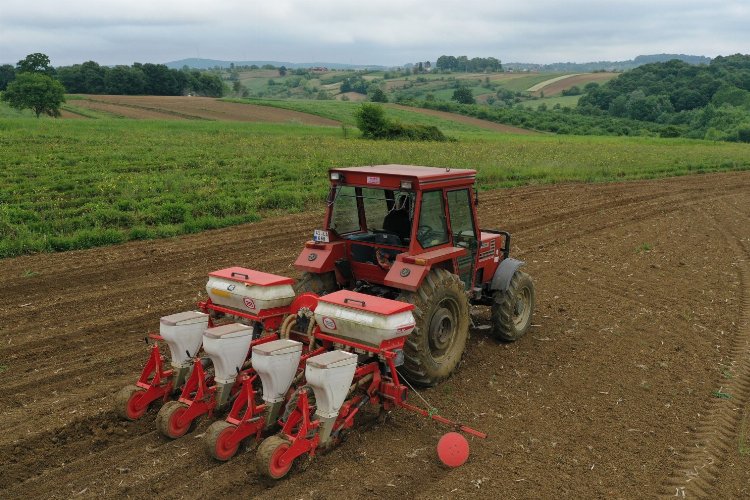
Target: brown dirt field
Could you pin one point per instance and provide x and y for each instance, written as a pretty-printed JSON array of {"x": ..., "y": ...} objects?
[
  {"x": 642, "y": 319},
  {"x": 476, "y": 122},
  {"x": 557, "y": 87},
  {"x": 69, "y": 115},
  {"x": 206, "y": 108},
  {"x": 124, "y": 111}
]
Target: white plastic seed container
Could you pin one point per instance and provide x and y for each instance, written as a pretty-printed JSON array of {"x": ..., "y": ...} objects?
[
  {"x": 330, "y": 374},
  {"x": 363, "y": 318},
  {"x": 183, "y": 333},
  {"x": 228, "y": 347},
  {"x": 249, "y": 291},
  {"x": 276, "y": 363}
]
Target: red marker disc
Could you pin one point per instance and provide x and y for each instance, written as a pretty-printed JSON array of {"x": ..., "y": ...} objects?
[{"x": 453, "y": 449}]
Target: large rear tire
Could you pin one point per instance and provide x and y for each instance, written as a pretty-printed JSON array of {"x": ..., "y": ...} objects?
[
  {"x": 167, "y": 420},
  {"x": 319, "y": 284},
  {"x": 267, "y": 457},
  {"x": 126, "y": 400},
  {"x": 441, "y": 310},
  {"x": 512, "y": 308}
]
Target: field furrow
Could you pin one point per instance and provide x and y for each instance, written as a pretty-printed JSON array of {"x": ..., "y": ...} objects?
[{"x": 641, "y": 312}]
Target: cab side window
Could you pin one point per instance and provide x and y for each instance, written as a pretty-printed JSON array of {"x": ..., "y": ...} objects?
[
  {"x": 459, "y": 207},
  {"x": 432, "y": 230}
]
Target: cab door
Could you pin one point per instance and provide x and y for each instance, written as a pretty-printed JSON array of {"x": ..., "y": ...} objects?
[{"x": 463, "y": 232}]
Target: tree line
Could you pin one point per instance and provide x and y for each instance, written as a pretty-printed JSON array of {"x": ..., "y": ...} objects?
[
  {"x": 137, "y": 79},
  {"x": 473, "y": 65},
  {"x": 709, "y": 101}
]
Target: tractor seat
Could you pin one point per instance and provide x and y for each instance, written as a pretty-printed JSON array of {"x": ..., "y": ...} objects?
[{"x": 397, "y": 220}]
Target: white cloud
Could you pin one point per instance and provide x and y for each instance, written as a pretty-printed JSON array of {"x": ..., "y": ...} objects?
[{"x": 383, "y": 32}]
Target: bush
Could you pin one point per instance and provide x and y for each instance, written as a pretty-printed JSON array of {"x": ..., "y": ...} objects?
[
  {"x": 378, "y": 96},
  {"x": 670, "y": 132},
  {"x": 373, "y": 124},
  {"x": 743, "y": 133},
  {"x": 371, "y": 120},
  {"x": 413, "y": 132},
  {"x": 463, "y": 95}
]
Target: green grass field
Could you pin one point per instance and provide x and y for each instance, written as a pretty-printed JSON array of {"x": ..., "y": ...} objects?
[
  {"x": 67, "y": 184},
  {"x": 568, "y": 101}
]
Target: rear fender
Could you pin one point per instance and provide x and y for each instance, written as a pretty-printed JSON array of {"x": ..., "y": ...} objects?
[
  {"x": 504, "y": 273},
  {"x": 320, "y": 257},
  {"x": 408, "y": 271},
  {"x": 406, "y": 276}
]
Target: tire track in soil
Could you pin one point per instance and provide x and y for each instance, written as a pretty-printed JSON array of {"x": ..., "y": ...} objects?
[{"x": 699, "y": 465}]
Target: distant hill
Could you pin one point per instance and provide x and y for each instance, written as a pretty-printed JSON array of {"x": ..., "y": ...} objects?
[
  {"x": 607, "y": 65},
  {"x": 587, "y": 67},
  {"x": 701, "y": 102},
  {"x": 212, "y": 63}
]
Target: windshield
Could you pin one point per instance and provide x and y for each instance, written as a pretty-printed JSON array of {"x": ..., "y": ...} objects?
[{"x": 386, "y": 212}]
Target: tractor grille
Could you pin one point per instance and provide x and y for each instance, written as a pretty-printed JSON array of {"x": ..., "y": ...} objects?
[
  {"x": 488, "y": 253},
  {"x": 465, "y": 260}
]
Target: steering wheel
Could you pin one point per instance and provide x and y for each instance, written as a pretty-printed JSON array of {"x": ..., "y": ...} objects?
[
  {"x": 423, "y": 232},
  {"x": 384, "y": 259}
]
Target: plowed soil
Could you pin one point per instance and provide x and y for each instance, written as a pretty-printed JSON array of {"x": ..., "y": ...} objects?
[
  {"x": 194, "y": 108},
  {"x": 633, "y": 382}
]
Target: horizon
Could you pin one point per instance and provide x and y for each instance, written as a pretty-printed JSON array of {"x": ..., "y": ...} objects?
[{"x": 364, "y": 65}]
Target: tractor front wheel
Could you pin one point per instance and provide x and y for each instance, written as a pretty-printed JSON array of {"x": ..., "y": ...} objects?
[
  {"x": 126, "y": 401},
  {"x": 512, "y": 308},
  {"x": 168, "y": 420},
  {"x": 319, "y": 284},
  {"x": 268, "y": 456},
  {"x": 217, "y": 440},
  {"x": 441, "y": 311}
]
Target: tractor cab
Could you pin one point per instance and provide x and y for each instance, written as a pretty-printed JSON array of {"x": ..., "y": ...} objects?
[{"x": 388, "y": 224}]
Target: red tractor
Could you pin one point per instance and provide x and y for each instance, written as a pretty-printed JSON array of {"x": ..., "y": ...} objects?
[
  {"x": 411, "y": 233},
  {"x": 385, "y": 292}
]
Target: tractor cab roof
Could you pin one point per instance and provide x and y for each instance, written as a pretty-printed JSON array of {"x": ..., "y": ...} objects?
[{"x": 402, "y": 177}]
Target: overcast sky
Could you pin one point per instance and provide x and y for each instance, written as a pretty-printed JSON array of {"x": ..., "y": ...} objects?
[{"x": 386, "y": 32}]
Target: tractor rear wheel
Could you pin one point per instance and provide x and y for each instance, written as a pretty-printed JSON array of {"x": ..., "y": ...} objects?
[
  {"x": 512, "y": 308},
  {"x": 217, "y": 440},
  {"x": 167, "y": 420},
  {"x": 319, "y": 284},
  {"x": 126, "y": 400},
  {"x": 441, "y": 311},
  {"x": 268, "y": 455}
]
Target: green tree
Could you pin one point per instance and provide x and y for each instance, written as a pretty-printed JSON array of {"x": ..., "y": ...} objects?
[
  {"x": 35, "y": 63},
  {"x": 282, "y": 71},
  {"x": 371, "y": 120},
  {"x": 378, "y": 96},
  {"x": 35, "y": 91},
  {"x": 7, "y": 75},
  {"x": 122, "y": 80},
  {"x": 463, "y": 95},
  {"x": 574, "y": 90}
]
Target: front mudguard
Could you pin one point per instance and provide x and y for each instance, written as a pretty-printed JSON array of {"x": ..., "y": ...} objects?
[{"x": 504, "y": 273}]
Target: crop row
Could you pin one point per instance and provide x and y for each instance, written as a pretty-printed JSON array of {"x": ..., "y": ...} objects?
[{"x": 78, "y": 183}]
